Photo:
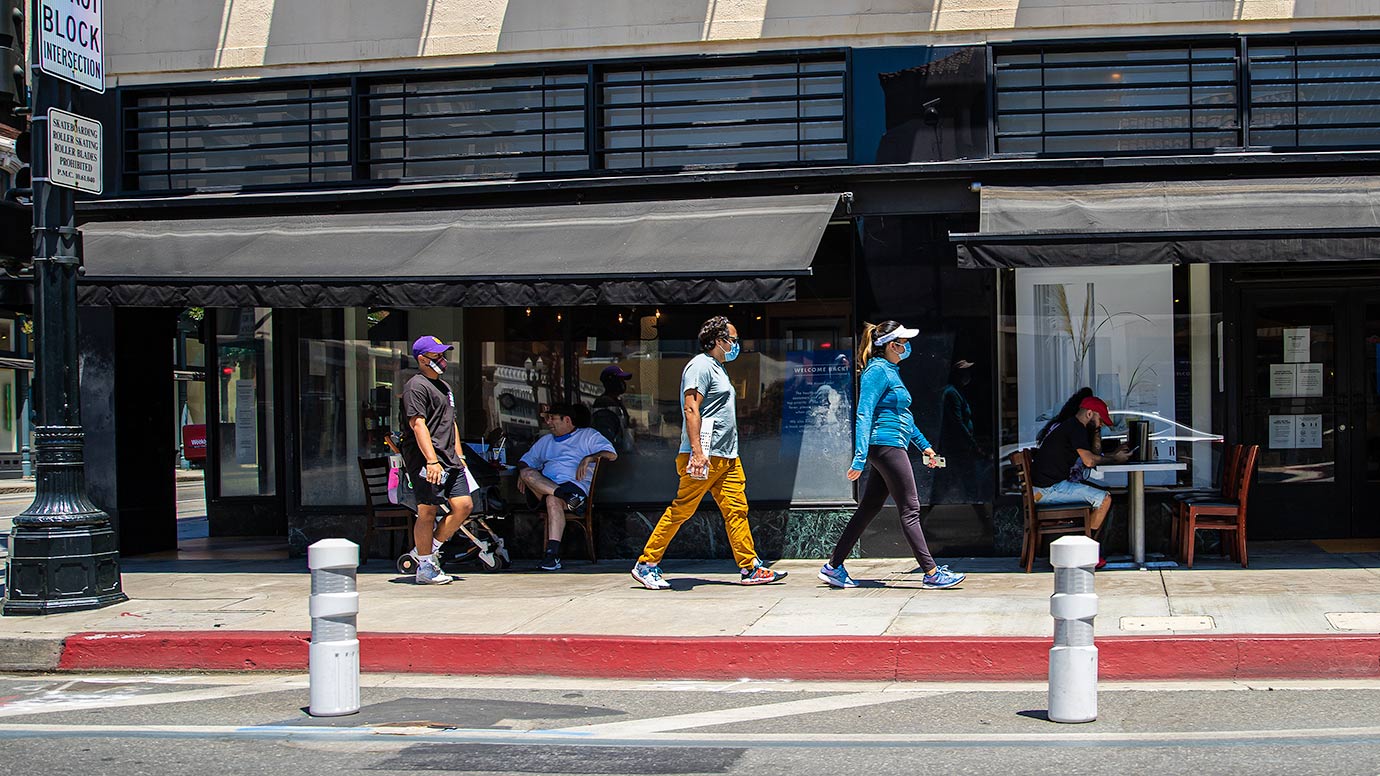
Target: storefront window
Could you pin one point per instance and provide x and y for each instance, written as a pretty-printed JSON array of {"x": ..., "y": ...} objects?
[
  {"x": 1143, "y": 338},
  {"x": 793, "y": 380},
  {"x": 517, "y": 358},
  {"x": 244, "y": 346},
  {"x": 352, "y": 364}
]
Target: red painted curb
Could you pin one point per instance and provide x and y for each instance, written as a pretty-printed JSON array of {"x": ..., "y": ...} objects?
[
  {"x": 186, "y": 650},
  {"x": 909, "y": 658}
]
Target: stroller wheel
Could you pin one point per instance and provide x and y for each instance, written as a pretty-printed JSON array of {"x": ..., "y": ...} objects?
[{"x": 407, "y": 563}]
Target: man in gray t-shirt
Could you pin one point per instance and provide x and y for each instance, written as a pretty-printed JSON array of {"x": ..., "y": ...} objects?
[
  {"x": 706, "y": 376},
  {"x": 708, "y": 397}
]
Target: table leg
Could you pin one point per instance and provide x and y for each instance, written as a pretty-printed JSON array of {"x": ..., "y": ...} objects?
[{"x": 1136, "y": 481}]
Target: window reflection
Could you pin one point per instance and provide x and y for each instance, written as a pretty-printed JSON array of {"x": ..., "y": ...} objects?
[{"x": 244, "y": 349}]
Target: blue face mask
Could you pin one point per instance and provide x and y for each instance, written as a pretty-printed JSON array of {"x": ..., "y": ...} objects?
[
  {"x": 732, "y": 353},
  {"x": 905, "y": 351}
]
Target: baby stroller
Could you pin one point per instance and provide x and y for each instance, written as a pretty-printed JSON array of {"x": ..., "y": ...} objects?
[{"x": 477, "y": 539}]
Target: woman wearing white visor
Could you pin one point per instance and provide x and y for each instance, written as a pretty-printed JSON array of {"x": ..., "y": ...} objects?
[{"x": 885, "y": 431}]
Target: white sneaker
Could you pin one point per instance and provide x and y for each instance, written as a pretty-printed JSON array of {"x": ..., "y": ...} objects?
[
  {"x": 429, "y": 574},
  {"x": 650, "y": 577}
]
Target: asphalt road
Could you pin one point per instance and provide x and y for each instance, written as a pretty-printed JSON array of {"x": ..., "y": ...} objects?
[{"x": 254, "y": 723}]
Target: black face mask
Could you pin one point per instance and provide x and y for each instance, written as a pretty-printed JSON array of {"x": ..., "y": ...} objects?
[{"x": 439, "y": 365}]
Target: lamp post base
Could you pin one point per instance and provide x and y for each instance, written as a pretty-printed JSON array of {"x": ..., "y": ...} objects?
[{"x": 62, "y": 568}]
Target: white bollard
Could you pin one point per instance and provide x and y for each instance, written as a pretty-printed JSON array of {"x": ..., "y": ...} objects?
[
  {"x": 1073, "y": 659},
  {"x": 333, "y": 658}
]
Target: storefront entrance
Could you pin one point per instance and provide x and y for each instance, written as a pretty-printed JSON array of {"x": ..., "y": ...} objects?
[{"x": 1309, "y": 395}]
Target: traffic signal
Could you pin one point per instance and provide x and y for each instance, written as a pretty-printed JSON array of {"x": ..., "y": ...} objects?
[{"x": 14, "y": 92}]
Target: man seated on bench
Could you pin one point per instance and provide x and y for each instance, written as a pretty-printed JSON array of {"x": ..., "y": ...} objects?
[{"x": 556, "y": 472}]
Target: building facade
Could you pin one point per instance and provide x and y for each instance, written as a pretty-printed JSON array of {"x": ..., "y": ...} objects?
[{"x": 1169, "y": 202}]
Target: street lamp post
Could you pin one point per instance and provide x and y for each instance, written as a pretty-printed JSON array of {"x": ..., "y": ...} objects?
[{"x": 64, "y": 554}]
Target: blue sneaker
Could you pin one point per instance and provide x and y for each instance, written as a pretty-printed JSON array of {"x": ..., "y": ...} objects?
[
  {"x": 650, "y": 577},
  {"x": 942, "y": 578},
  {"x": 836, "y": 576}
]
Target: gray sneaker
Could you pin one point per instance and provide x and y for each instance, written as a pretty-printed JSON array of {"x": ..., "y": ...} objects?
[{"x": 429, "y": 574}]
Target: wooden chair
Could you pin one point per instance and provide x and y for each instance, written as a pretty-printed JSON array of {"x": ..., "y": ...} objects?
[
  {"x": 1220, "y": 514},
  {"x": 1045, "y": 521},
  {"x": 585, "y": 522},
  {"x": 380, "y": 513},
  {"x": 1225, "y": 490}
]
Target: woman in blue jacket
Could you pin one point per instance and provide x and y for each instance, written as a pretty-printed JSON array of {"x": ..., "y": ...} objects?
[{"x": 884, "y": 432}]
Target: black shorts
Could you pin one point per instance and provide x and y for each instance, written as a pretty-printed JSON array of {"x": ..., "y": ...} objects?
[{"x": 455, "y": 484}]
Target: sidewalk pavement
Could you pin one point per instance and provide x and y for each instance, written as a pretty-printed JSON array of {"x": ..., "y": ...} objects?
[
  {"x": 26, "y": 484},
  {"x": 1298, "y": 612}
]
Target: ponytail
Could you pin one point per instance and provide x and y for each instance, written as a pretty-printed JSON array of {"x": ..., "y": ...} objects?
[{"x": 865, "y": 348}]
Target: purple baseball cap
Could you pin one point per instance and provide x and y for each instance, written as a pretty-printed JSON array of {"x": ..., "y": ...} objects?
[
  {"x": 613, "y": 370},
  {"x": 429, "y": 344}
]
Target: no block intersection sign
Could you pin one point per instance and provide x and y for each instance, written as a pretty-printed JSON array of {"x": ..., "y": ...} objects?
[{"x": 71, "y": 42}]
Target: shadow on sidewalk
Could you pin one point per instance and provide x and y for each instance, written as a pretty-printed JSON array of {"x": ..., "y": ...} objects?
[{"x": 684, "y": 575}]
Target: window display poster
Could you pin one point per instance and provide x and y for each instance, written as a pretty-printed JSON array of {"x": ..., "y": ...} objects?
[
  {"x": 246, "y": 426},
  {"x": 1297, "y": 345},
  {"x": 818, "y": 391},
  {"x": 817, "y": 414},
  {"x": 1109, "y": 328},
  {"x": 1309, "y": 435},
  {"x": 1283, "y": 432}
]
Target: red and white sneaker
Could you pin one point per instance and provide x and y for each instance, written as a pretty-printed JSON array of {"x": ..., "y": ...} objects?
[{"x": 759, "y": 575}]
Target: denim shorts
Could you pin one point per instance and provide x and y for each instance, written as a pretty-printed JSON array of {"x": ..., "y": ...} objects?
[{"x": 1069, "y": 492}]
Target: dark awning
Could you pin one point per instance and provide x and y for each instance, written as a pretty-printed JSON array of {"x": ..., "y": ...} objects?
[
  {"x": 745, "y": 249},
  {"x": 1249, "y": 220}
]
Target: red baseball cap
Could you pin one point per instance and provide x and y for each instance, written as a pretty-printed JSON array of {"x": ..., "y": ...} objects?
[{"x": 1097, "y": 405}]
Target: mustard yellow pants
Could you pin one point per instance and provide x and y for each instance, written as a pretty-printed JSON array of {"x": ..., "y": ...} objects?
[{"x": 729, "y": 488}]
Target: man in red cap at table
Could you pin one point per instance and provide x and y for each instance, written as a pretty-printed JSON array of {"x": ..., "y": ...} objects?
[{"x": 1055, "y": 474}]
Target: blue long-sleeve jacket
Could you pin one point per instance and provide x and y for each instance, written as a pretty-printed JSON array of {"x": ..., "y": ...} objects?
[{"x": 883, "y": 412}]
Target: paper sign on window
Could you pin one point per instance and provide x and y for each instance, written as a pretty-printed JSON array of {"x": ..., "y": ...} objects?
[
  {"x": 1288, "y": 381},
  {"x": 1297, "y": 343}
]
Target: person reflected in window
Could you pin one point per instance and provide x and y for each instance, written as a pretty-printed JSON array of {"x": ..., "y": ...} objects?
[
  {"x": 610, "y": 417},
  {"x": 1068, "y": 448},
  {"x": 885, "y": 430},
  {"x": 708, "y": 466},
  {"x": 555, "y": 474},
  {"x": 958, "y": 481}
]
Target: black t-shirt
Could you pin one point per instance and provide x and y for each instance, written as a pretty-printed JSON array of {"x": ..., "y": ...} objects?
[
  {"x": 610, "y": 418},
  {"x": 1055, "y": 457},
  {"x": 434, "y": 402}
]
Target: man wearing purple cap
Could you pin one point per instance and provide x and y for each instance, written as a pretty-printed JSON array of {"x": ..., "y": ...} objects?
[
  {"x": 610, "y": 417},
  {"x": 431, "y": 452}
]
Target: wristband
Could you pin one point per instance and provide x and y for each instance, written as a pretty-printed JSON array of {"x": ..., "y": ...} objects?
[{"x": 433, "y": 463}]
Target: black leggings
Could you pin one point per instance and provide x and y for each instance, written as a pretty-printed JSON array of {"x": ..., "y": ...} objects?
[{"x": 892, "y": 476}]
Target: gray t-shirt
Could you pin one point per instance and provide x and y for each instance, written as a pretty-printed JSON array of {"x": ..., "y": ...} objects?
[{"x": 705, "y": 374}]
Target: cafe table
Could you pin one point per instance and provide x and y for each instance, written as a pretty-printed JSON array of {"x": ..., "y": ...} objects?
[{"x": 1135, "y": 477}]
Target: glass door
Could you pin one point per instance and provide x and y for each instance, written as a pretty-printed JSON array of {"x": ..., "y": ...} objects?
[
  {"x": 1364, "y": 426},
  {"x": 1296, "y": 395}
]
